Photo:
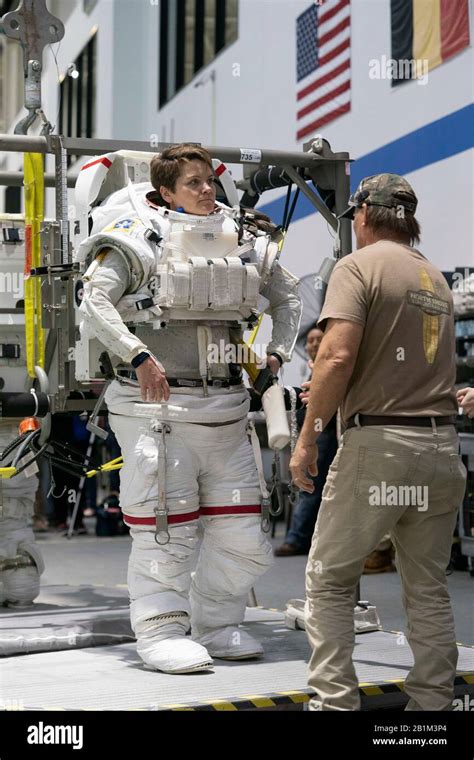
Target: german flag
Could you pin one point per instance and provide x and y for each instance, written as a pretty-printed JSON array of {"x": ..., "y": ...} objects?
[{"x": 428, "y": 32}]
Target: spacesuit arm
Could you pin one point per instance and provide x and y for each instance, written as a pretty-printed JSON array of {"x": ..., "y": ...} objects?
[
  {"x": 105, "y": 282},
  {"x": 285, "y": 310}
]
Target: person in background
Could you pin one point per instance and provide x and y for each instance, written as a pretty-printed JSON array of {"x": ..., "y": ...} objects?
[
  {"x": 298, "y": 538},
  {"x": 71, "y": 429}
]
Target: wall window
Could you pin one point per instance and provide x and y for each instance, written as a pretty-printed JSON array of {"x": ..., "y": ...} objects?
[
  {"x": 78, "y": 96},
  {"x": 192, "y": 34},
  {"x": 13, "y": 200}
]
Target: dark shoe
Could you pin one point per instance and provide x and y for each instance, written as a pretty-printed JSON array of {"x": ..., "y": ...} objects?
[
  {"x": 379, "y": 562},
  {"x": 288, "y": 550},
  {"x": 40, "y": 524}
]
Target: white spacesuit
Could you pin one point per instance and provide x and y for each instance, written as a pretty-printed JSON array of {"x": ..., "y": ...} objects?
[
  {"x": 182, "y": 283},
  {"x": 21, "y": 563}
]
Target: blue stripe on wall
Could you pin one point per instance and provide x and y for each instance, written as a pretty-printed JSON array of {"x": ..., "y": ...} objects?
[{"x": 434, "y": 142}]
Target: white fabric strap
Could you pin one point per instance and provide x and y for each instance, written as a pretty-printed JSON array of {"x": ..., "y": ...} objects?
[
  {"x": 251, "y": 286},
  {"x": 179, "y": 284},
  {"x": 200, "y": 283},
  {"x": 258, "y": 458},
  {"x": 235, "y": 273},
  {"x": 220, "y": 295}
]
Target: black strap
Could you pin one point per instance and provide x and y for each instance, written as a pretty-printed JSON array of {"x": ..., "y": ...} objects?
[
  {"x": 389, "y": 420},
  {"x": 181, "y": 382},
  {"x": 9, "y": 351}
]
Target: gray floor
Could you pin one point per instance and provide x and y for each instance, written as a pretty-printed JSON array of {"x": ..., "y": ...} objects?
[
  {"x": 114, "y": 678},
  {"x": 103, "y": 561}
]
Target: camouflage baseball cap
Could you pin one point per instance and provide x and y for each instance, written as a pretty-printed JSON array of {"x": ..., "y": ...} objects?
[{"x": 388, "y": 190}]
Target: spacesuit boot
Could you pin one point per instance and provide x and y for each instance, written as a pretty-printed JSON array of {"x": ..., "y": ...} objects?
[
  {"x": 162, "y": 644},
  {"x": 231, "y": 643}
]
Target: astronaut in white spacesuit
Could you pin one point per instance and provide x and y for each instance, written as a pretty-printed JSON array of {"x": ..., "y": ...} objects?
[
  {"x": 179, "y": 270},
  {"x": 21, "y": 563}
]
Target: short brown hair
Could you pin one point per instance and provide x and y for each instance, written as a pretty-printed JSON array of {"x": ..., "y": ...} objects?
[
  {"x": 165, "y": 168},
  {"x": 383, "y": 219}
]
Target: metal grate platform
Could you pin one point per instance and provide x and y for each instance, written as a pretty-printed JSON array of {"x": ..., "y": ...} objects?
[{"x": 112, "y": 677}]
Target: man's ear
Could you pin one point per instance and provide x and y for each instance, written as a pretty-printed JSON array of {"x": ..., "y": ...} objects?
[{"x": 365, "y": 211}]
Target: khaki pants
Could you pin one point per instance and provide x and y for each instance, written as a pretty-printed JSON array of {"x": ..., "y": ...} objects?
[{"x": 365, "y": 497}]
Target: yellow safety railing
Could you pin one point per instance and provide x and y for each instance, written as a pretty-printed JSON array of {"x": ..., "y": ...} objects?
[{"x": 34, "y": 210}]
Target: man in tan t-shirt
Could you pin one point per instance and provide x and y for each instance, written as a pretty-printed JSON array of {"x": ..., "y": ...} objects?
[{"x": 387, "y": 359}]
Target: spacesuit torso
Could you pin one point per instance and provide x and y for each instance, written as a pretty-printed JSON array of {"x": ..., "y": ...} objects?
[{"x": 183, "y": 287}]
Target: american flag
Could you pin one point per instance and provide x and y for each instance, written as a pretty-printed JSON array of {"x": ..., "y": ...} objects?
[{"x": 323, "y": 43}]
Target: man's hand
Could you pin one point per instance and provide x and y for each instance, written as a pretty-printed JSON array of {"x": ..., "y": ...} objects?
[
  {"x": 305, "y": 458},
  {"x": 465, "y": 397},
  {"x": 153, "y": 383},
  {"x": 304, "y": 396}
]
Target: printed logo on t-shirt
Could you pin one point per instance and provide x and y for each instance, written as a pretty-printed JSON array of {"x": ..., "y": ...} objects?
[
  {"x": 432, "y": 307},
  {"x": 427, "y": 302}
]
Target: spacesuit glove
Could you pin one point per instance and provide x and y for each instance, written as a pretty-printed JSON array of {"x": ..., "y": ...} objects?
[{"x": 152, "y": 379}]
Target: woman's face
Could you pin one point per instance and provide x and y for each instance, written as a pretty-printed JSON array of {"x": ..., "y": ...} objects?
[
  {"x": 313, "y": 341},
  {"x": 195, "y": 190}
]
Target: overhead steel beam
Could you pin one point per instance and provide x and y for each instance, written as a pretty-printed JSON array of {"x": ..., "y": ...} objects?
[
  {"x": 311, "y": 195},
  {"x": 91, "y": 147}
]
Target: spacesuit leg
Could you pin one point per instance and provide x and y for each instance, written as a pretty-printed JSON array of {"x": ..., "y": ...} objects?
[
  {"x": 159, "y": 575},
  {"x": 235, "y": 551},
  {"x": 233, "y": 555},
  {"x": 158, "y": 582}
]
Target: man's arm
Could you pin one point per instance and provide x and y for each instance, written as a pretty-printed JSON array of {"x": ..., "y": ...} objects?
[{"x": 332, "y": 372}]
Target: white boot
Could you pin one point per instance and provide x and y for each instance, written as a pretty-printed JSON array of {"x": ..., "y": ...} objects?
[
  {"x": 165, "y": 647},
  {"x": 231, "y": 643}
]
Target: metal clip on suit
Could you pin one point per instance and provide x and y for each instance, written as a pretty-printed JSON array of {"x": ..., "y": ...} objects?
[{"x": 162, "y": 535}]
